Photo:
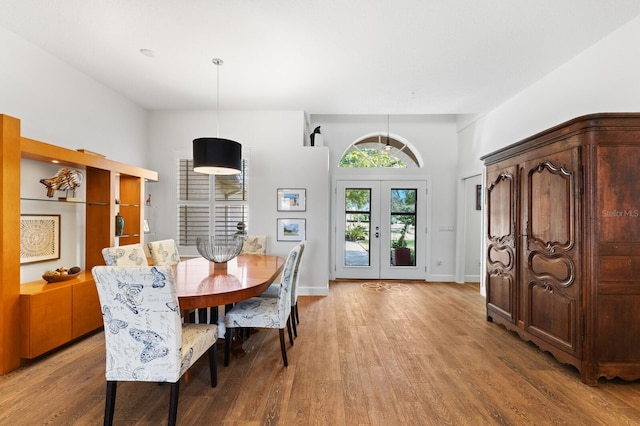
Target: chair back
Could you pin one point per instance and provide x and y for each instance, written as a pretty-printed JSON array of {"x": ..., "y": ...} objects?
[
  {"x": 164, "y": 252},
  {"x": 254, "y": 244},
  {"x": 128, "y": 255},
  {"x": 142, "y": 324},
  {"x": 296, "y": 274},
  {"x": 284, "y": 293}
]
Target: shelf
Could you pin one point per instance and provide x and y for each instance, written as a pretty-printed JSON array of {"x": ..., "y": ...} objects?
[{"x": 53, "y": 200}]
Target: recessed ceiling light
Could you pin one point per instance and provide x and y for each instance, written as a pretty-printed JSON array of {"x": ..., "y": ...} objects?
[{"x": 148, "y": 52}]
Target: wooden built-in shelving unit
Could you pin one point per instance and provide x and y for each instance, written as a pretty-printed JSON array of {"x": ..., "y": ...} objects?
[{"x": 36, "y": 317}]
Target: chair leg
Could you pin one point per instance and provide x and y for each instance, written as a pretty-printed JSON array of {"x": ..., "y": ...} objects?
[
  {"x": 283, "y": 348},
  {"x": 213, "y": 365},
  {"x": 173, "y": 403},
  {"x": 227, "y": 345},
  {"x": 110, "y": 402},
  {"x": 295, "y": 308},
  {"x": 293, "y": 324},
  {"x": 289, "y": 320}
]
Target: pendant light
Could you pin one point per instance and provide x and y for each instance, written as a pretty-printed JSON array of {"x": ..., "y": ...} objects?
[{"x": 217, "y": 156}]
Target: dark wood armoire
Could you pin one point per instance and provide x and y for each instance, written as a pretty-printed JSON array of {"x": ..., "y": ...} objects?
[{"x": 563, "y": 243}]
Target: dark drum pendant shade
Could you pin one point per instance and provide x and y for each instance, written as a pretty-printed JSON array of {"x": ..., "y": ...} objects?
[{"x": 216, "y": 156}]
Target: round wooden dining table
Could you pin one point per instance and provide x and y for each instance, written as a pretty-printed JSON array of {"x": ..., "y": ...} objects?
[{"x": 200, "y": 285}]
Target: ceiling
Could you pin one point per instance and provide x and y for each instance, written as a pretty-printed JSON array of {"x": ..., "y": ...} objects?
[{"x": 318, "y": 56}]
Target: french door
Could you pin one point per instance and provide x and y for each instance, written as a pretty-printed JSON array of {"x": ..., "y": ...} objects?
[{"x": 381, "y": 229}]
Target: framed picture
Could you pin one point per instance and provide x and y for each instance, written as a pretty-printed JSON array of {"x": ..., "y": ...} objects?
[
  {"x": 39, "y": 237},
  {"x": 294, "y": 199},
  {"x": 478, "y": 197},
  {"x": 291, "y": 229}
]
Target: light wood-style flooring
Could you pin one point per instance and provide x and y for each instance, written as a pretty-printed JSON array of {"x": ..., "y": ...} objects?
[{"x": 368, "y": 354}]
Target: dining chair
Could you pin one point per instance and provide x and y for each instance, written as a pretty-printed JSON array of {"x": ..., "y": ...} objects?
[
  {"x": 273, "y": 289},
  {"x": 127, "y": 255},
  {"x": 263, "y": 312},
  {"x": 254, "y": 244},
  {"x": 145, "y": 338},
  {"x": 164, "y": 252}
]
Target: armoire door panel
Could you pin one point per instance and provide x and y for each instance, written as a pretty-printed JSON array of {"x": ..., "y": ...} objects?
[
  {"x": 500, "y": 295},
  {"x": 550, "y": 252},
  {"x": 551, "y": 316},
  {"x": 501, "y": 237},
  {"x": 556, "y": 267},
  {"x": 501, "y": 206},
  {"x": 501, "y": 255},
  {"x": 551, "y": 204}
]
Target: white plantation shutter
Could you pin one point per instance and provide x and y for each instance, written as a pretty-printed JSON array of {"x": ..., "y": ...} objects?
[
  {"x": 233, "y": 187},
  {"x": 192, "y": 186},
  {"x": 227, "y": 218},
  {"x": 196, "y": 206}
]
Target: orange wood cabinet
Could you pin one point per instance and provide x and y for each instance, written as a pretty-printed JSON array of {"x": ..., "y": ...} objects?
[
  {"x": 56, "y": 313},
  {"x": 86, "y": 313},
  {"x": 45, "y": 318},
  {"x": 563, "y": 243}
]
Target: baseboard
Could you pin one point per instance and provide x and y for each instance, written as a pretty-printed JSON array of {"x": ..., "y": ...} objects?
[
  {"x": 444, "y": 278},
  {"x": 313, "y": 291}
]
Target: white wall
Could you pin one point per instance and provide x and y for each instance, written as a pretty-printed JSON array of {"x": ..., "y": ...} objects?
[
  {"x": 59, "y": 105},
  {"x": 434, "y": 138},
  {"x": 278, "y": 159},
  {"x": 603, "y": 78}
]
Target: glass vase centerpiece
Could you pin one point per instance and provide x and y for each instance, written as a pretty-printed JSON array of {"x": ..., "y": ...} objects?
[{"x": 220, "y": 249}]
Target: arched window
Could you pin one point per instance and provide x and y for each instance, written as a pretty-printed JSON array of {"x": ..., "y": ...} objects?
[{"x": 379, "y": 150}]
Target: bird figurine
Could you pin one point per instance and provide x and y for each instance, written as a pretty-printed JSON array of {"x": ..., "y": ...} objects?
[
  {"x": 316, "y": 131},
  {"x": 64, "y": 180}
]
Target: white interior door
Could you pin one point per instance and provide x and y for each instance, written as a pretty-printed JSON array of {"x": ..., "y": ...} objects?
[{"x": 380, "y": 229}]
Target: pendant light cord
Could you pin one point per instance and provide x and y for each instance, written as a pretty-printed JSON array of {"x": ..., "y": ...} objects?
[{"x": 217, "y": 62}]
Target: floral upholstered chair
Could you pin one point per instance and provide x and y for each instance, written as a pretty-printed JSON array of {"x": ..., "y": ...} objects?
[
  {"x": 145, "y": 338},
  {"x": 274, "y": 289},
  {"x": 264, "y": 312},
  {"x": 164, "y": 252},
  {"x": 129, "y": 255},
  {"x": 254, "y": 244}
]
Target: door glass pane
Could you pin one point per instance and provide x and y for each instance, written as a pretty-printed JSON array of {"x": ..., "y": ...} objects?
[
  {"x": 357, "y": 203},
  {"x": 403, "y": 227}
]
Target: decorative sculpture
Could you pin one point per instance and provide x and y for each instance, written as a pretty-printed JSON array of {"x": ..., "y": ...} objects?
[
  {"x": 312, "y": 136},
  {"x": 64, "y": 180}
]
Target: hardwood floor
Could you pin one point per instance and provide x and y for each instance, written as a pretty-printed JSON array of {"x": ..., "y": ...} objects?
[{"x": 368, "y": 354}]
